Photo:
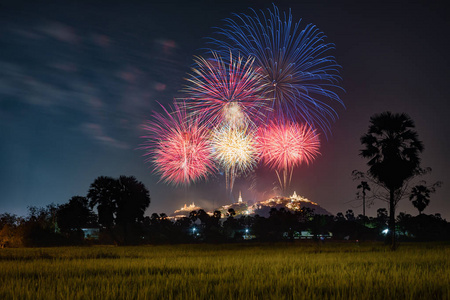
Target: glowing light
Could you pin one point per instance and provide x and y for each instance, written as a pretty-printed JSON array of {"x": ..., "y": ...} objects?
[
  {"x": 234, "y": 150},
  {"x": 178, "y": 146},
  {"x": 286, "y": 145},
  {"x": 268, "y": 72},
  {"x": 226, "y": 92},
  {"x": 296, "y": 64},
  {"x": 186, "y": 208}
]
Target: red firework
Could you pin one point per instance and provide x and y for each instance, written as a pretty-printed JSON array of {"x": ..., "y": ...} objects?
[
  {"x": 229, "y": 92},
  {"x": 178, "y": 146},
  {"x": 285, "y": 145}
]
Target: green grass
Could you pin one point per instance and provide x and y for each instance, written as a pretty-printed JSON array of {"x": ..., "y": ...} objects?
[{"x": 241, "y": 271}]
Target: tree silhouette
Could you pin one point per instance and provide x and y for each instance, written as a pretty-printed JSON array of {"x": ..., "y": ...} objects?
[
  {"x": 39, "y": 228},
  {"x": 119, "y": 202},
  {"x": 231, "y": 225},
  {"x": 203, "y": 217},
  {"x": 8, "y": 224},
  {"x": 365, "y": 187},
  {"x": 420, "y": 195},
  {"x": 393, "y": 149},
  {"x": 231, "y": 212},
  {"x": 103, "y": 194},
  {"x": 132, "y": 201},
  {"x": 74, "y": 215},
  {"x": 382, "y": 218},
  {"x": 193, "y": 216},
  {"x": 339, "y": 217},
  {"x": 350, "y": 215}
]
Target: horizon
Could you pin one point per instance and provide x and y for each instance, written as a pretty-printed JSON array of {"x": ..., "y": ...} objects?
[{"x": 78, "y": 81}]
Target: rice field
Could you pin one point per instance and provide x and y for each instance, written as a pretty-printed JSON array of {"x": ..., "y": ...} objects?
[{"x": 234, "y": 271}]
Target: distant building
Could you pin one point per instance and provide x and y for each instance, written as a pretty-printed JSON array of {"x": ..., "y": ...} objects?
[
  {"x": 262, "y": 208},
  {"x": 91, "y": 233},
  {"x": 184, "y": 211},
  {"x": 240, "y": 197},
  {"x": 292, "y": 203}
]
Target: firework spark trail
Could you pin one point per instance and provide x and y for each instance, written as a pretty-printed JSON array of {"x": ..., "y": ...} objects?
[
  {"x": 285, "y": 145},
  {"x": 178, "y": 146},
  {"x": 234, "y": 151},
  {"x": 228, "y": 92},
  {"x": 302, "y": 75}
]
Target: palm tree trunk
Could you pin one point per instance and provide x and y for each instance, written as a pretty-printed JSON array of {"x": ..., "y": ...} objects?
[
  {"x": 392, "y": 218},
  {"x": 364, "y": 205},
  {"x": 364, "y": 208}
]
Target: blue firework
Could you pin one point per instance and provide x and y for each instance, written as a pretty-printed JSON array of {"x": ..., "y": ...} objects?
[{"x": 303, "y": 77}]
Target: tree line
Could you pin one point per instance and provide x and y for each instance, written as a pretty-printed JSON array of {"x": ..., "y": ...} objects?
[
  {"x": 391, "y": 146},
  {"x": 63, "y": 225}
]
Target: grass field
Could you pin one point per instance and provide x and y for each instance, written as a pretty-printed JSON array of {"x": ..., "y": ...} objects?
[{"x": 238, "y": 271}]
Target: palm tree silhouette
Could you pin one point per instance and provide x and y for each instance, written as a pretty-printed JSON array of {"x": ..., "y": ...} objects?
[
  {"x": 393, "y": 148},
  {"x": 102, "y": 194},
  {"x": 365, "y": 187},
  {"x": 120, "y": 201},
  {"x": 420, "y": 197}
]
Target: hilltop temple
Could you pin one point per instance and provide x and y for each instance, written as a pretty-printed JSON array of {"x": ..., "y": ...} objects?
[
  {"x": 184, "y": 211},
  {"x": 293, "y": 203}
]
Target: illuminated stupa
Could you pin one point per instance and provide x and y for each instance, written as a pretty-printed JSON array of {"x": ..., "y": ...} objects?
[{"x": 240, "y": 207}]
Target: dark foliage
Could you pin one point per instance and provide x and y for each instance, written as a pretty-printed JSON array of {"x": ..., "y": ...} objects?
[
  {"x": 73, "y": 216},
  {"x": 121, "y": 204},
  {"x": 39, "y": 229},
  {"x": 393, "y": 149}
]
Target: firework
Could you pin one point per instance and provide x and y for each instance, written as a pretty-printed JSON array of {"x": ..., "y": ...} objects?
[
  {"x": 226, "y": 92},
  {"x": 234, "y": 151},
  {"x": 178, "y": 146},
  {"x": 286, "y": 145},
  {"x": 302, "y": 76}
]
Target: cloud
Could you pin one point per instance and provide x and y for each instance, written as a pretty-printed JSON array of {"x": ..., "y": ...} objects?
[
  {"x": 96, "y": 132},
  {"x": 108, "y": 89},
  {"x": 101, "y": 40},
  {"x": 60, "y": 32},
  {"x": 166, "y": 45},
  {"x": 66, "y": 66},
  {"x": 27, "y": 33},
  {"x": 94, "y": 102},
  {"x": 128, "y": 76},
  {"x": 160, "y": 86}
]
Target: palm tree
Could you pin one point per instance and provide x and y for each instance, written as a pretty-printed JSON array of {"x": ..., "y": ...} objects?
[
  {"x": 103, "y": 194},
  {"x": 420, "y": 197},
  {"x": 393, "y": 148},
  {"x": 119, "y": 201},
  {"x": 365, "y": 187},
  {"x": 132, "y": 201}
]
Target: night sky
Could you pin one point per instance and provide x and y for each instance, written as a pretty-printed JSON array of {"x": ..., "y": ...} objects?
[{"x": 77, "y": 81}]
